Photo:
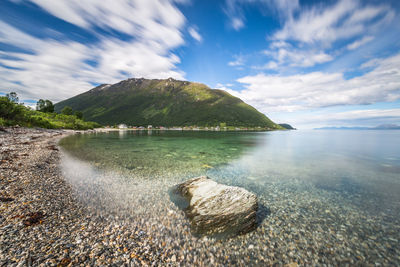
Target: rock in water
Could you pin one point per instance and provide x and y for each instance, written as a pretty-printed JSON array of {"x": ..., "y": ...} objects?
[{"x": 216, "y": 209}]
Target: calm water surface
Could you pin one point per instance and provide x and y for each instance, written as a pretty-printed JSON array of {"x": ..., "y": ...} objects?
[
  {"x": 364, "y": 163},
  {"x": 343, "y": 186}
]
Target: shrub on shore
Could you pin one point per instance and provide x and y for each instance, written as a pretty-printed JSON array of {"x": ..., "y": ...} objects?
[{"x": 12, "y": 113}]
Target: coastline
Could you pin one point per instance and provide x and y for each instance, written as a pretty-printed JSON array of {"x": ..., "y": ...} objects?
[{"x": 42, "y": 223}]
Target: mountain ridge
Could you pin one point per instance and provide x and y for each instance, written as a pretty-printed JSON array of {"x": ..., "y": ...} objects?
[
  {"x": 379, "y": 127},
  {"x": 165, "y": 102}
]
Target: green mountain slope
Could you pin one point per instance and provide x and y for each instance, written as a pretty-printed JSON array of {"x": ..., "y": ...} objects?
[{"x": 166, "y": 102}]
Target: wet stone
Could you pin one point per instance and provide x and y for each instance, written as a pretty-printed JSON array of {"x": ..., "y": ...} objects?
[{"x": 216, "y": 209}]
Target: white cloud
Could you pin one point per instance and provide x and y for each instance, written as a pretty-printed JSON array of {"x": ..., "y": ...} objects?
[
  {"x": 156, "y": 20},
  {"x": 223, "y": 86},
  {"x": 271, "y": 65},
  {"x": 373, "y": 63},
  {"x": 319, "y": 23},
  {"x": 30, "y": 105},
  {"x": 237, "y": 23},
  {"x": 285, "y": 54},
  {"x": 151, "y": 20},
  {"x": 285, "y": 8},
  {"x": 318, "y": 89},
  {"x": 358, "y": 43},
  {"x": 308, "y": 34},
  {"x": 234, "y": 9},
  {"x": 334, "y": 117},
  {"x": 234, "y": 13},
  {"x": 195, "y": 34},
  {"x": 239, "y": 61},
  {"x": 364, "y": 114},
  {"x": 361, "y": 117},
  {"x": 58, "y": 69},
  {"x": 326, "y": 24}
]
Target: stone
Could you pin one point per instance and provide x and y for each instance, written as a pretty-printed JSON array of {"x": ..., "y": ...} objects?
[
  {"x": 173, "y": 258},
  {"x": 216, "y": 209}
]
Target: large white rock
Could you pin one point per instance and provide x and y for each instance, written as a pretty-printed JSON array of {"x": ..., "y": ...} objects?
[{"x": 217, "y": 209}]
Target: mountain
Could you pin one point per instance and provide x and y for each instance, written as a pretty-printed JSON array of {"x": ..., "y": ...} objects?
[
  {"x": 387, "y": 127},
  {"x": 287, "y": 126},
  {"x": 342, "y": 128},
  {"x": 167, "y": 102},
  {"x": 379, "y": 127}
]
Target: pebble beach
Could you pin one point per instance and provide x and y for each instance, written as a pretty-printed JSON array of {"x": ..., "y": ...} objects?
[
  {"x": 59, "y": 211},
  {"x": 42, "y": 223}
]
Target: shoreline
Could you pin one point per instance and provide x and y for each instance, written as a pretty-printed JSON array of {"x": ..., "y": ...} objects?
[
  {"x": 43, "y": 223},
  {"x": 182, "y": 129}
]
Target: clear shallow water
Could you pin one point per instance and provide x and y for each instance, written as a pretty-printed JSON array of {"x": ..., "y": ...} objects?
[
  {"x": 158, "y": 152},
  {"x": 362, "y": 163},
  {"x": 333, "y": 191}
]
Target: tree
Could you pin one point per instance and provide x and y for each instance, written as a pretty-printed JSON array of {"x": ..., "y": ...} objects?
[
  {"x": 67, "y": 110},
  {"x": 45, "y": 106},
  {"x": 40, "y": 105},
  {"x": 10, "y": 110},
  {"x": 49, "y": 106},
  {"x": 79, "y": 114},
  {"x": 13, "y": 97}
]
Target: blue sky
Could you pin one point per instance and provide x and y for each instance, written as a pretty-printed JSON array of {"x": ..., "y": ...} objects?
[{"x": 307, "y": 63}]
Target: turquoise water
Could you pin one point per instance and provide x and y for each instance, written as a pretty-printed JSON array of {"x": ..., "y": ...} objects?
[
  {"x": 336, "y": 189},
  {"x": 155, "y": 153},
  {"x": 348, "y": 162},
  {"x": 361, "y": 164}
]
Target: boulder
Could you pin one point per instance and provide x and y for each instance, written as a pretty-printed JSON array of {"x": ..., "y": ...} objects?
[{"x": 216, "y": 209}]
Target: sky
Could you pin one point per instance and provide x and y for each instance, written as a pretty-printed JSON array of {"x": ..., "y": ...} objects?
[{"x": 306, "y": 63}]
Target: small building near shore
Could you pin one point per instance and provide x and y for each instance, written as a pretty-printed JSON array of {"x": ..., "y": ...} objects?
[{"x": 122, "y": 126}]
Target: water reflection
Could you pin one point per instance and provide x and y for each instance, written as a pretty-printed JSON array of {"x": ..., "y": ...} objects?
[
  {"x": 122, "y": 133},
  {"x": 158, "y": 152}
]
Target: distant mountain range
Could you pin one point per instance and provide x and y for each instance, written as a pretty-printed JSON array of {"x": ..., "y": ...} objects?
[
  {"x": 379, "y": 127},
  {"x": 167, "y": 102}
]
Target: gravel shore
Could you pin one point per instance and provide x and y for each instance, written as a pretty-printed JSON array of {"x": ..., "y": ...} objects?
[{"x": 42, "y": 223}]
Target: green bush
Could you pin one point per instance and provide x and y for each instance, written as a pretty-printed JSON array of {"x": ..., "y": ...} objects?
[
  {"x": 79, "y": 114},
  {"x": 41, "y": 122},
  {"x": 67, "y": 111},
  {"x": 45, "y": 106},
  {"x": 12, "y": 113}
]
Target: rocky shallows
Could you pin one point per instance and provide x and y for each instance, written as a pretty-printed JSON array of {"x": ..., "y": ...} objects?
[{"x": 216, "y": 209}]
